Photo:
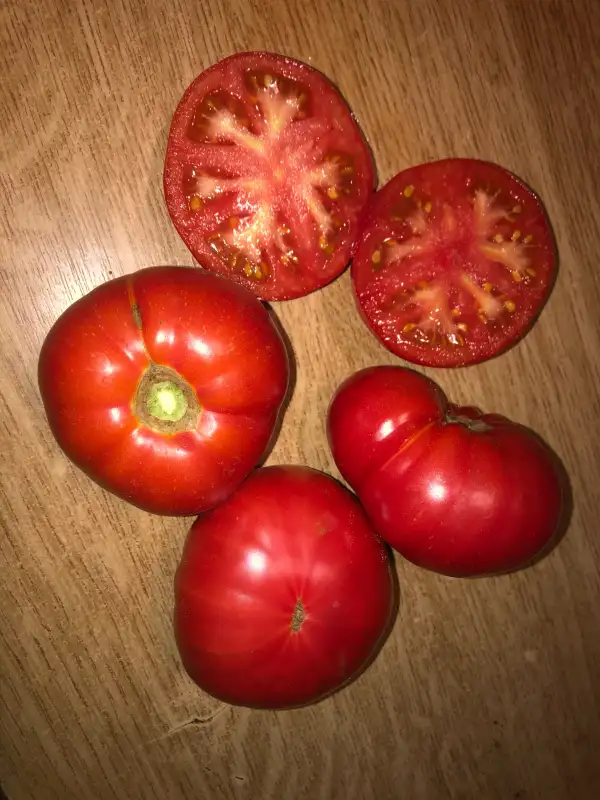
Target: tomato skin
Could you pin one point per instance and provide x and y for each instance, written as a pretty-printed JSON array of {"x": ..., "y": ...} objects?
[
  {"x": 282, "y": 161},
  {"x": 214, "y": 335},
  {"x": 453, "y": 490},
  {"x": 287, "y": 534}
]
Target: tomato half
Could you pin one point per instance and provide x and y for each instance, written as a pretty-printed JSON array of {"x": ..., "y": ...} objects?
[
  {"x": 453, "y": 490},
  {"x": 455, "y": 263},
  {"x": 283, "y": 593},
  {"x": 164, "y": 386},
  {"x": 267, "y": 174}
]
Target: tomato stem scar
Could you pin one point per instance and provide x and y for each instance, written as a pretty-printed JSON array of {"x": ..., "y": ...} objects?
[
  {"x": 477, "y": 425},
  {"x": 298, "y": 617},
  {"x": 165, "y": 402}
]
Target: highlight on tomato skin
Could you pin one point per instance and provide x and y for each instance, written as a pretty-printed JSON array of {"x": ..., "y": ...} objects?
[
  {"x": 284, "y": 594},
  {"x": 455, "y": 262},
  {"x": 267, "y": 174},
  {"x": 165, "y": 386},
  {"x": 452, "y": 489}
]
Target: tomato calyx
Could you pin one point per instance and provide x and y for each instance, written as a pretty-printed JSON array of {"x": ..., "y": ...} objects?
[
  {"x": 165, "y": 402},
  {"x": 298, "y": 616}
]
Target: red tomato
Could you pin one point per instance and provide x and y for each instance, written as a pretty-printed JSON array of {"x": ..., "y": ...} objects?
[
  {"x": 453, "y": 490},
  {"x": 267, "y": 174},
  {"x": 283, "y": 592},
  {"x": 164, "y": 386},
  {"x": 456, "y": 260}
]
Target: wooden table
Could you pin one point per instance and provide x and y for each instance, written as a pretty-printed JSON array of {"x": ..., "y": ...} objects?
[{"x": 487, "y": 689}]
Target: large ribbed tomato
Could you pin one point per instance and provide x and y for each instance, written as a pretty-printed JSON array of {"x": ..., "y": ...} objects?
[
  {"x": 164, "y": 386},
  {"x": 283, "y": 592},
  {"x": 453, "y": 490}
]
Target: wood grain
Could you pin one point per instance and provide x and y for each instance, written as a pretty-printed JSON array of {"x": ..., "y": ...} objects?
[{"x": 486, "y": 689}]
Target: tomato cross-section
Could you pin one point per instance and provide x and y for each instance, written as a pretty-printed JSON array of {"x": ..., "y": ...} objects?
[
  {"x": 267, "y": 175},
  {"x": 455, "y": 263}
]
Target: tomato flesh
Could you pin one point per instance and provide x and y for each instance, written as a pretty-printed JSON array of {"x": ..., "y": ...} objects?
[
  {"x": 283, "y": 592},
  {"x": 267, "y": 175},
  {"x": 455, "y": 263}
]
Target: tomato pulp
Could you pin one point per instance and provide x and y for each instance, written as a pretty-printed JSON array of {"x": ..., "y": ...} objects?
[
  {"x": 453, "y": 490},
  {"x": 164, "y": 386},
  {"x": 455, "y": 263},
  {"x": 267, "y": 174},
  {"x": 283, "y": 592}
]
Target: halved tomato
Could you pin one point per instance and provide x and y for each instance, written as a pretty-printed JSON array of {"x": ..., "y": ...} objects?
[
  {"x": 455, "y": 263},
  {"x": 267, "y": 175}
]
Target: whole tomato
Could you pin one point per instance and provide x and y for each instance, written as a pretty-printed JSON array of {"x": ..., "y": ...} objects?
[
  {"x": 283, "y": 592},
  {"x": 164, "y": 386},
  {"x": 453, "y": 490}
]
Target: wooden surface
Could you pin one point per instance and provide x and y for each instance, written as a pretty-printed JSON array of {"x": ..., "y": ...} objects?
[{"x": 487, "y": 689}]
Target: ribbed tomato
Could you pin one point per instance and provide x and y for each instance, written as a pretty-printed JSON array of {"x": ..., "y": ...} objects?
[
  {"x": 453, "y": 490},
  {"x": 164, "y": 386},
  {"x": 283, "y": 593}
]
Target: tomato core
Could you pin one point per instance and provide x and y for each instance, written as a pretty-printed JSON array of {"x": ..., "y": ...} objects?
[{"x": 166, "y": 401}]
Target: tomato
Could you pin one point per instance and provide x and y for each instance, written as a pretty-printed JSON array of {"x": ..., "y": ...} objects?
[
  {"x": 455, "y": 263},
  {"x": 283, "y": 593},
  {"x": 164, "y": 386},
  {"x": 267, "y": 174},
  {"x": 453, "y": 490}
]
